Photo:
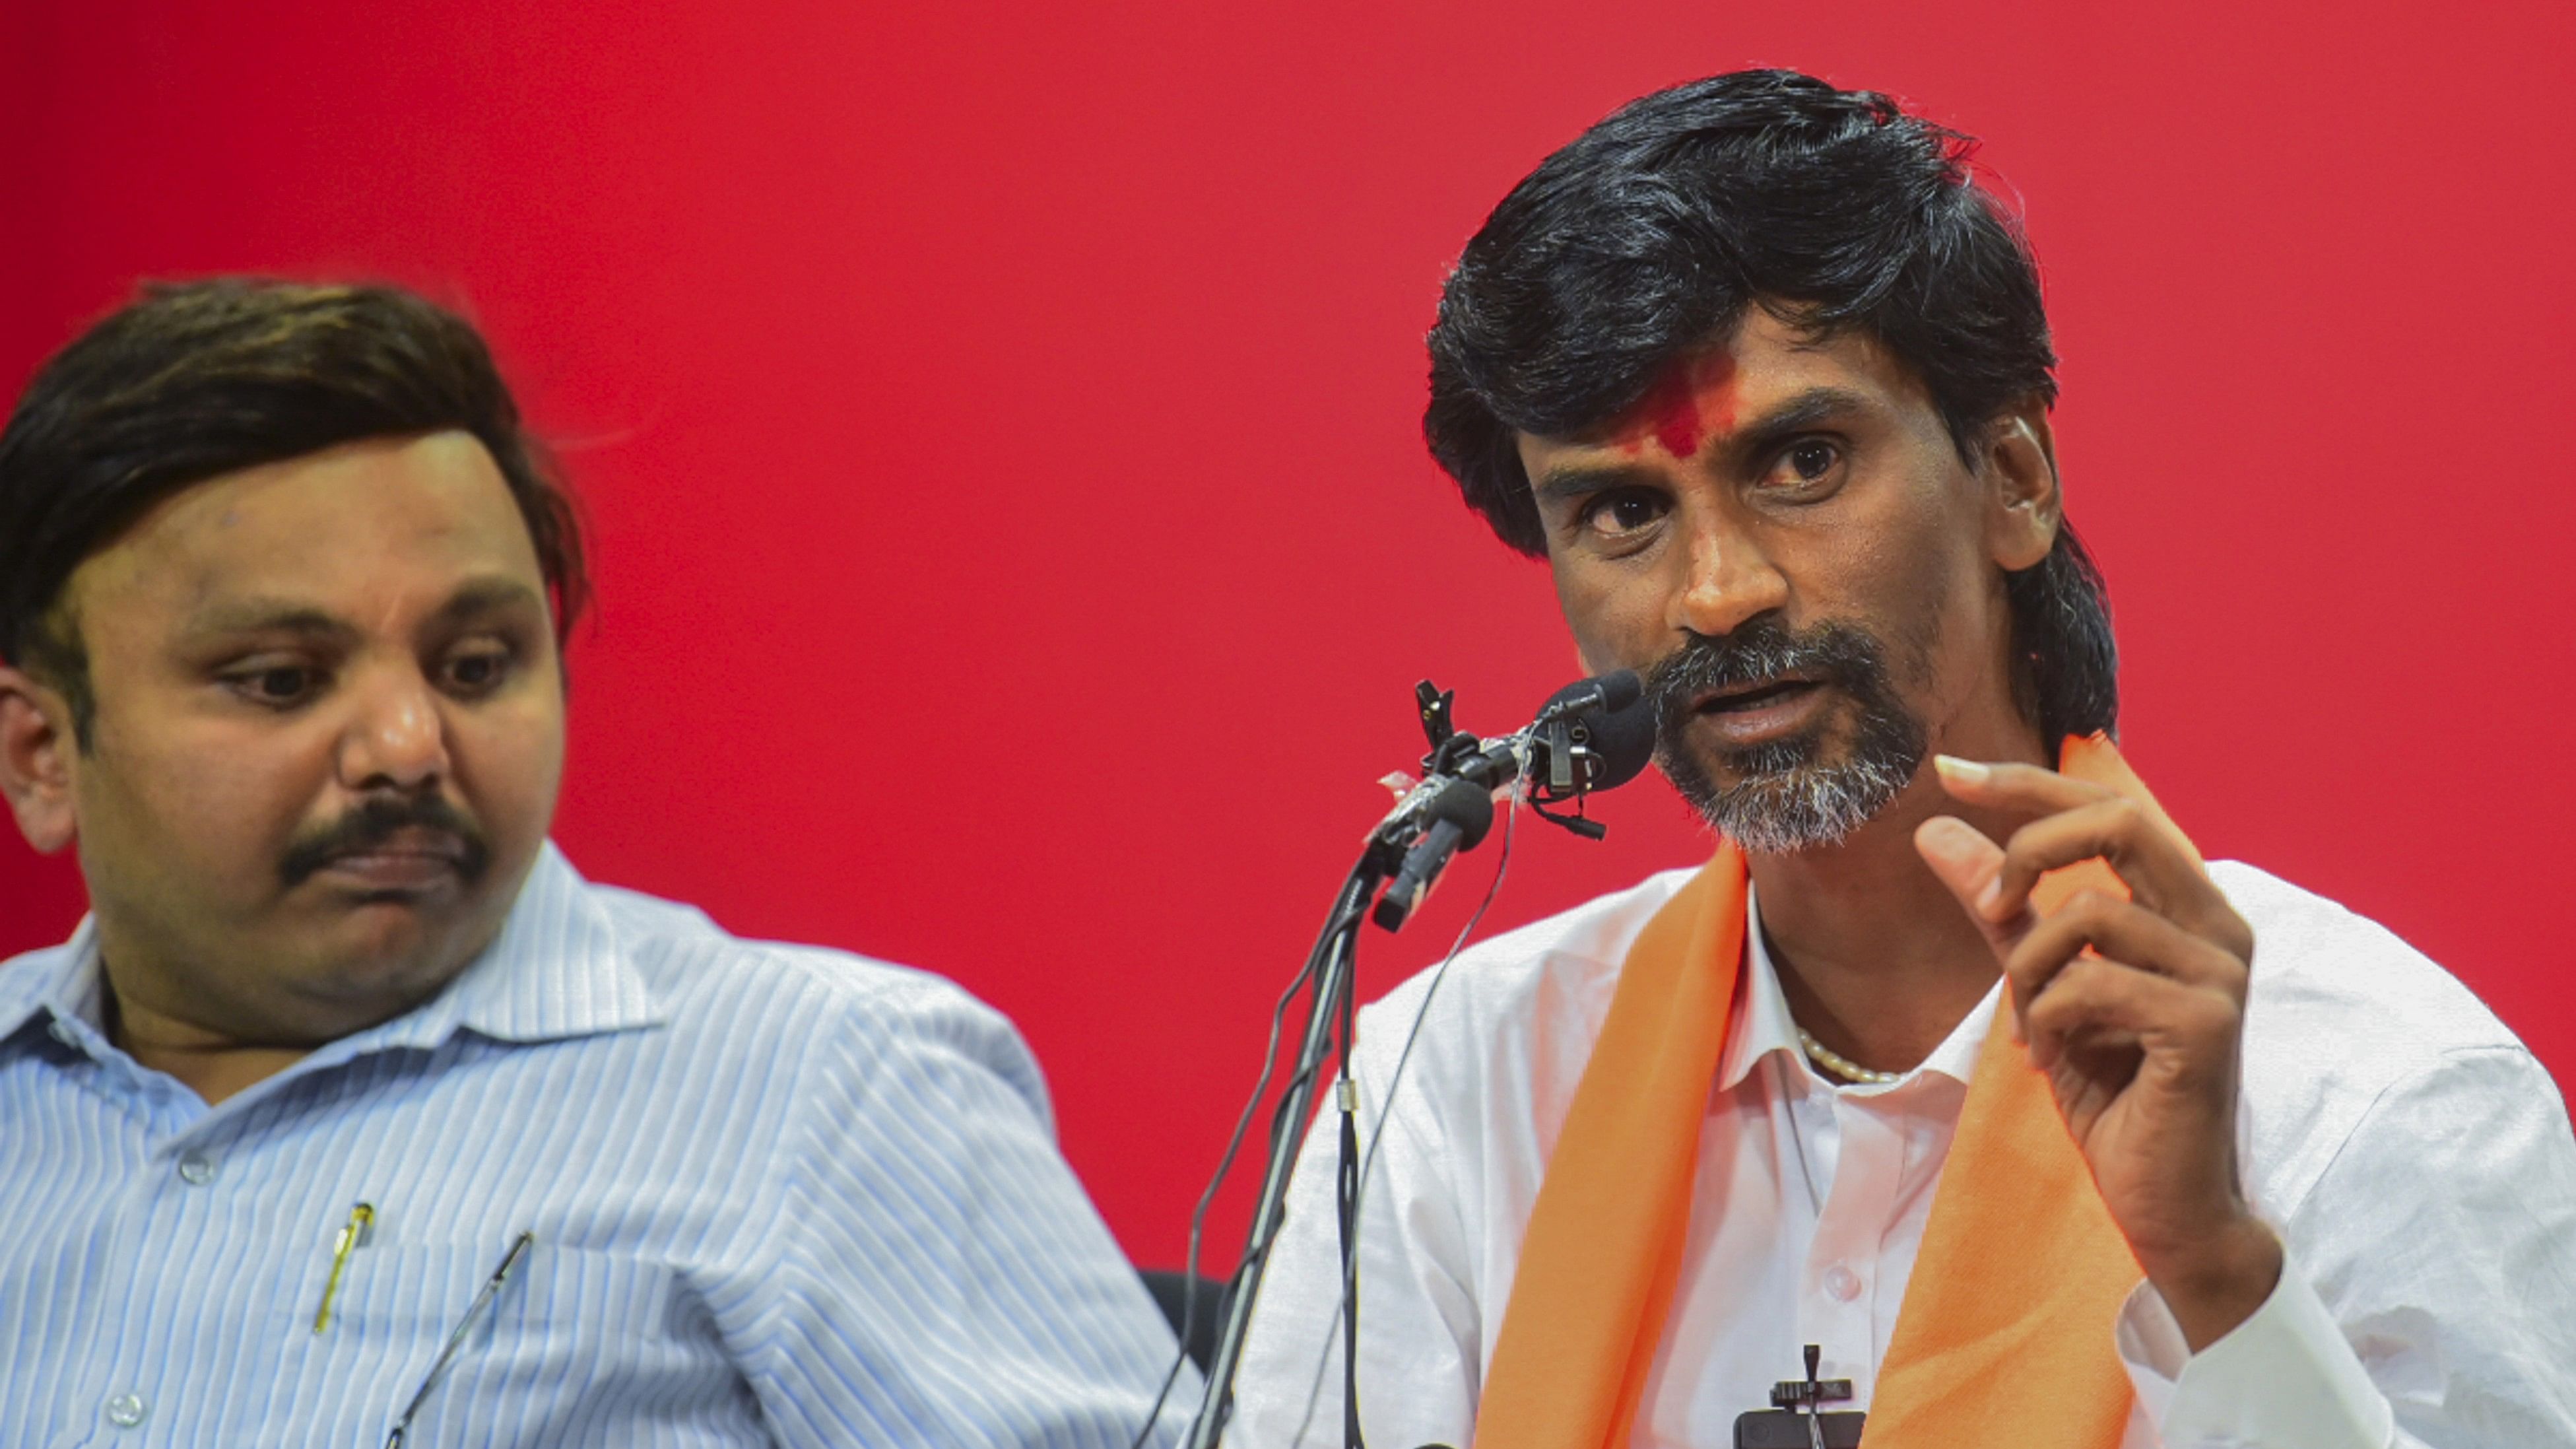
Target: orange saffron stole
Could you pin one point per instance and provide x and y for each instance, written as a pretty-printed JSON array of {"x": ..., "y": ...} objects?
[{"x": 2005, "y": 1336}]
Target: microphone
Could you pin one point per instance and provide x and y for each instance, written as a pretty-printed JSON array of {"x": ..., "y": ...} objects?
[
  {"x": 1607, "y": 694},
  {"x": 1600, "y": 729},
  {"x": 1594, "y": 734}
]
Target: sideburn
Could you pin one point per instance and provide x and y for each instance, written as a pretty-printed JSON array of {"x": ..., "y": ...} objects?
[{"x": 56, "y": 658}]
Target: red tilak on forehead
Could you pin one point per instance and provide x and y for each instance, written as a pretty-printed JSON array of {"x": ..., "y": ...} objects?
[{"x": 1692, "y": 400}]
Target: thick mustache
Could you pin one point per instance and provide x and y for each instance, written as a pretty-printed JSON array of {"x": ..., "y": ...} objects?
[
  {"x": 1755, "y": 653},
  {"x": 378, "y": 821}
]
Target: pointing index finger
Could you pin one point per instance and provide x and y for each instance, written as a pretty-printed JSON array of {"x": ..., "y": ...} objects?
[
  {"x": 2079, "y": 820},
  {"x": 2026, "y": 788}
]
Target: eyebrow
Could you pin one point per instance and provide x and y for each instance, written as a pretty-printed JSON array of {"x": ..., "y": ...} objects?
[
  {"x": 268, "y": 616},
  {"x": 1578, "y": 480},
  {"x": 258, "y": 615},
  {"x": 1794, "y": 415},
  {"x": 486, "y": 596}
]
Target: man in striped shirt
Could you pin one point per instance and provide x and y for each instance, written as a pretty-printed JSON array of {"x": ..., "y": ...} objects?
[{"x": 352, "y": 1115}]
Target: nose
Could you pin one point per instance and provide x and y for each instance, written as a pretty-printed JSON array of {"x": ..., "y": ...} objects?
[
  {"x": 396, "y": 738},
  {"x": 1729, "y": 579}
]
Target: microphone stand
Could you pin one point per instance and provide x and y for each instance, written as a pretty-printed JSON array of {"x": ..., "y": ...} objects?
[
  {"x": 1449, "y": 811},
  {"x": 1330, "y": 968}
]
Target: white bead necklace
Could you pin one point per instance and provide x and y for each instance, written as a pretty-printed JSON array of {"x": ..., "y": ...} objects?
[{"x": 1843, "y": 1066}]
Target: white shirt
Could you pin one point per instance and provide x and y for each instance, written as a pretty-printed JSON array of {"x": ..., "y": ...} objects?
[{"x": 2415, "y": 1158}]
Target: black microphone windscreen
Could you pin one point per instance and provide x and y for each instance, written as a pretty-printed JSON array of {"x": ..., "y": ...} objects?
[
  {"x": 1620, "y": 688},
  {"x": 1620, "y": 729}
]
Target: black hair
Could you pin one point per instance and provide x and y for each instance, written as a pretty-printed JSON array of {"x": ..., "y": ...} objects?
[
  {"x": 198, "y": 379},
  {"x": 1655, "y": 230}
]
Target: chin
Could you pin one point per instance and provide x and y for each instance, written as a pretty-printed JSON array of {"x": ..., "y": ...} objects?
[
  {"x": 1808, "y": 791},
  {"x": 395, "y": 950}
]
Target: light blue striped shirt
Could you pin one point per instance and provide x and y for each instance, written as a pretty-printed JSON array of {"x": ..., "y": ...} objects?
[{"x": 779, "y": 1195}]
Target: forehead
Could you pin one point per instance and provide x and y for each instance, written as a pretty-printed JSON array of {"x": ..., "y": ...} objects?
[
  {"x": 1764, "y": 364},
  {"x": 364, "y": 531}
]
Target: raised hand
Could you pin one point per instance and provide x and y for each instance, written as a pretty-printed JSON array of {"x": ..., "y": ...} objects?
[{"x": 2135, "y": 1011}]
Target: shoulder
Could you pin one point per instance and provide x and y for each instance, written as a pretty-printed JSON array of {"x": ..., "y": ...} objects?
[
  {"x": 38, "y": 962},
  {"x": 816, "y": 1012},
  {"x": 2340, "y": 988},
  {"x": 25, "y": 977},
  {"x": 2340, "y": 1014}
]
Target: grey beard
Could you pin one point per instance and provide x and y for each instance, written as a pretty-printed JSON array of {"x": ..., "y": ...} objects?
[{"x": 1780, "y": 805}]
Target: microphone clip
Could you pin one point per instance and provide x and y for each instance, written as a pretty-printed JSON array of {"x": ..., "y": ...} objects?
[
  {"x": 1432, "y": 703},
  {"x": 1554, "y": 762},
  {"x": 1564, "y": 740}
]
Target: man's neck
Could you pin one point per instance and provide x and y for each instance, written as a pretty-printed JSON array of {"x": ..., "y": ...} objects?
[{"x": 1877, "y": 959}]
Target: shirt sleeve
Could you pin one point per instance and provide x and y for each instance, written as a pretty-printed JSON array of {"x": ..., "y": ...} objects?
[
  {"x": 2427, "y": 1297},
  {"x": 938, "y": 1276}
]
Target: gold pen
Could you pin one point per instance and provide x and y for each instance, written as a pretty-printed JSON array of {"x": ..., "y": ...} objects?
[{"x": 361, "y": 1218}]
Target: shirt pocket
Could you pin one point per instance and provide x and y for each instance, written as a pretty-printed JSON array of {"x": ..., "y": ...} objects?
[{"x": 572, "y": 1335}]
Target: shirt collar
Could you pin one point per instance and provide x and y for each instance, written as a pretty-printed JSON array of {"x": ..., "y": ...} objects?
[
  {"x": 556, "y": 970},
  {"x": 1763, "y": 1023},
  {"x": 58, "y": 981}
]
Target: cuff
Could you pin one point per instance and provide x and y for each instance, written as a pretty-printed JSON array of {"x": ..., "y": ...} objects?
[{"x": 2284, "y": 1378}]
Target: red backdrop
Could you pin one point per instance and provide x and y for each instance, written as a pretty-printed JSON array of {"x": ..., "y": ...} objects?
[{"x": 998, "y": 424}]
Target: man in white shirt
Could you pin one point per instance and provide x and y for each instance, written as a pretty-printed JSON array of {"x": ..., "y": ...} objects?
[{"x": 1766, "y": 379}]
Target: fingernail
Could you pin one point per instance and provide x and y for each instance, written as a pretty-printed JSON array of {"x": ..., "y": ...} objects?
[
  {"x": 1966, "y": 772},
  {"x": 1992, "y": 892}
]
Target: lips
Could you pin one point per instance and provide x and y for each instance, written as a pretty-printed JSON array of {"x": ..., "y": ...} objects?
[
  {"x": 1735, "y": 698},
  {"x": 406, "y": 858},
  {"x": 1761, "y": 712}
]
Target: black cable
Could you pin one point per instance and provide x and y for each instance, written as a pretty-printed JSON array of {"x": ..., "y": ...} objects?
[{"x": 1346, "y": 1202}]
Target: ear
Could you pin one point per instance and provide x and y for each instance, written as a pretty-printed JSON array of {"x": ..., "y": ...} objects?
[
  {"x": 2023, "y": 506},
  {"x": 36, "y": 747}
]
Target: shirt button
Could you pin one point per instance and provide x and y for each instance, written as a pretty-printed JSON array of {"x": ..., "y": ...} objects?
[
  {"x": 127, "y": 1410},
  {"x": 1842, "y": 1283},
  {"x": 196, "y": 1169}
]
